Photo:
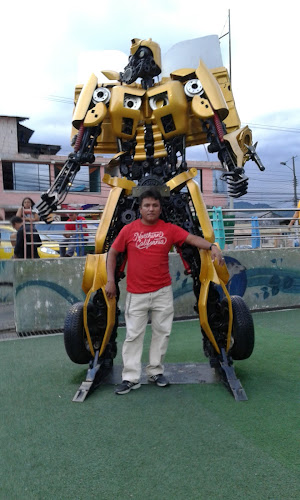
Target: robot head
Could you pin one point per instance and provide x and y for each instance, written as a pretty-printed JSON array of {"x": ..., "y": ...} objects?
[{"x": 144, "y": 61}]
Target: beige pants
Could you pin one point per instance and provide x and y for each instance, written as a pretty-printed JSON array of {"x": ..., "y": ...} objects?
[{"x": 137, "y": 308}]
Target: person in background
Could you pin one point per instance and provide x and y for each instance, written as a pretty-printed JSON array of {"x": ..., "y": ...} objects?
[
  {"x": 31, "y": 244},
  {"x": 28, "y": 204},
  {"x": 74, "y": 235}
]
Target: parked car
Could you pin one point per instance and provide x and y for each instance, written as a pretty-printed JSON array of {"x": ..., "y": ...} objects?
[
  {"x": 49, "y": 249},
  {"x": 6, "y": 248}
]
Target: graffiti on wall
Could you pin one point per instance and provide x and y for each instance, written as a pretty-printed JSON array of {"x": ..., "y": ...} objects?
[{"x": 260, "y": 282}]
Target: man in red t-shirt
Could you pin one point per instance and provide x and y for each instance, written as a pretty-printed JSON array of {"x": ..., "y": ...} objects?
[
  {"x": 75, "y": 239},
  {"x": 147, "y": 242}
]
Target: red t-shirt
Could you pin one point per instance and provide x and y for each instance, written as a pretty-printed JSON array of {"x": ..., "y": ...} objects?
[
  {"x": 75, "y": 226},
  {"x": 147, "y": 252}
]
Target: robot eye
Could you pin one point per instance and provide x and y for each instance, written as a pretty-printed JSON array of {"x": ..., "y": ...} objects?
[
  {"x": 158, "y": 101},
  {"x": 141, "y": 54},
  {"x": 132, "y": 101},
  {"x": 101, "y": 94},
  {"x": 193, "y": 87}
]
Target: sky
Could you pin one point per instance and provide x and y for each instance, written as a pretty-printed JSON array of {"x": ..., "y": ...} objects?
[{"x": 43, "y": 44}]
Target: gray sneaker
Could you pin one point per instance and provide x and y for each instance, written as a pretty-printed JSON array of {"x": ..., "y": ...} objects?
[
  {"x": 126, "y": 387},
  {"x": 159, "y": 380}
]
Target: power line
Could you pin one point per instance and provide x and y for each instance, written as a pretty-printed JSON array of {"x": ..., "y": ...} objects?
[{"x": 273, "y": 127}]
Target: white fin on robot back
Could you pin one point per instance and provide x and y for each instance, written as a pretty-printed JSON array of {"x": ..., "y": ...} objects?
[{"x": 188, "y": 53}]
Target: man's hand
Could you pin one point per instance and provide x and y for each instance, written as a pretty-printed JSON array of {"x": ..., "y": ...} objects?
[
  {"x": 110, "y": 289},
  {"x": 217, "y": 254}
]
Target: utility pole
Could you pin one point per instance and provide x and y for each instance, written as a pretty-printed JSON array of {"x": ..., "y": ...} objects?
[
  {"x": 231, "y": 204},
  {"x": 294, "y": 177},
  {"x": 229, "y": 32}
]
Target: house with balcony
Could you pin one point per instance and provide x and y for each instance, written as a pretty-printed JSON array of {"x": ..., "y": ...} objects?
[{"x": 29, "y": 169}]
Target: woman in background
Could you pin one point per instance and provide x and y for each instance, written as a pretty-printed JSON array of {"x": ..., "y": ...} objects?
[{"x": 24, "y": 210}]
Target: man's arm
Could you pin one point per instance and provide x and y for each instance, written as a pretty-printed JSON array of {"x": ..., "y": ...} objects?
[
  {"x": 111, "y": 263},
  {"x": 293, "y": 220},
  {"x": 197, "y": 241}
]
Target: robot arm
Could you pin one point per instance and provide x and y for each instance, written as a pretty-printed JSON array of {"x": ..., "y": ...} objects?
[
  {"x": 89, "y": 113},
  {"x": 58, "y": 191},
  {"x": 212, "y": 101}
]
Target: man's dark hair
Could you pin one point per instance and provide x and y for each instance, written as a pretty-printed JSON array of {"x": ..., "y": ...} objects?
[
  {"x": 15, "y": 220},
  {"x": 150, "y": 193}
]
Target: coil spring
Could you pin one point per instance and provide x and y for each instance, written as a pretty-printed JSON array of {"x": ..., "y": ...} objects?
[
  {"x": 79, "y": 138},
  {"x": 219, "y": 127}
]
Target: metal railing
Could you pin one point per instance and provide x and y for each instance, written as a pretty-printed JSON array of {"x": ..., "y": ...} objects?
[
  {"x": 260, "y": 228},
  {"x": 238, "y": 229}
]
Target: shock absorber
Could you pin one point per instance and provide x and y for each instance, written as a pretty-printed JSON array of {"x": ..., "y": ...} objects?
[
  {"x": 79, "y": 138},
  {"x": 219, "y": 127}
]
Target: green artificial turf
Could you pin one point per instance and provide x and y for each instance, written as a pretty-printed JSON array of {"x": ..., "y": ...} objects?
[{"x": 182, "y": 442}]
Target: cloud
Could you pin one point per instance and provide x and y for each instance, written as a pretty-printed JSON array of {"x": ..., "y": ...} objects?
[{"x": 41, "y": 46}]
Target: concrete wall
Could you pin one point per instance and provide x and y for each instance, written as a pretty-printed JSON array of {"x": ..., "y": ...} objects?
[
  {"x": 43, "y": 290},
  {"x": 6, "y": 281},
  {"x": 8, "y": 135}
]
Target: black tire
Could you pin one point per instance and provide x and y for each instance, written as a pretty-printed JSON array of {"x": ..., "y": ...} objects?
[
  {"x": 75, "y": 337},
  {"x": 242, "y": 329}
]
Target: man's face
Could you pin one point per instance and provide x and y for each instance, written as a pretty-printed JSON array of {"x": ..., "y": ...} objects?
[
  {"x": 72, "y": 216},
  {"x": 150, "y": 211},
  {"x": 17, "y": 225}
]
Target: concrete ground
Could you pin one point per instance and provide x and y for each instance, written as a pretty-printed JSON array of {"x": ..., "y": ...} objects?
[{"x": 7, "y": 322}]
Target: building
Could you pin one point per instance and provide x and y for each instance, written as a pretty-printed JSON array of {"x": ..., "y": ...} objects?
[{"x": 28, "y": 169}]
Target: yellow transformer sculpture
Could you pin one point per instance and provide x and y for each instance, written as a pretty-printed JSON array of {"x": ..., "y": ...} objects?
[{"x": 147, "y": 124}]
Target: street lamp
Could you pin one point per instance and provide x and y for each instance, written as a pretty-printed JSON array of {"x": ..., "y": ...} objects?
[{"x": 294, "y": 177}]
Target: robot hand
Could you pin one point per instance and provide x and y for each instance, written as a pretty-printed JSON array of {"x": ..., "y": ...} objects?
[
  {"x": 252, "y": 155},
  {"x": 237, "y": 182}
]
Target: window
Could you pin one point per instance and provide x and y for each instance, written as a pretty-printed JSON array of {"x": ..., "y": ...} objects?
[
  {"x": 198, "y": 178},
  {"x": 219, "y": 186},
  {"x": 25, "y": 176},
  {"x": 87, "y": 179}
]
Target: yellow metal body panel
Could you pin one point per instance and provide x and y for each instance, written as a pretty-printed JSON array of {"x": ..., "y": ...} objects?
[
  {"x": 140, "y": 152},
  {"x": 210, "y": 271},
  {"x": 237, "y": 140},
  {"x": 209, "y": 274},
  {"x": 106, "y": 218},
  {"x": 201, "y": 211},
  {"x": 186, "y": 114},
  {"x": 95, "y": 115},
  {"x": 84, "y": 100},
  {"x": 111, "y": 75},
  {"x": 212, "y": 90},
  {"x": 118, "y": 185},
  {"x": 159, "y": 147},
  {"x": 95, "y": 278},
  {"x": 121, "y": 182},
  {"x": 171, "y": 102},
  {"x": 201, "y": 107},
  {"x": 181, "y": 179},
  {"x": 119, "y": 114},
  {"x": 232, "y": 121}
]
